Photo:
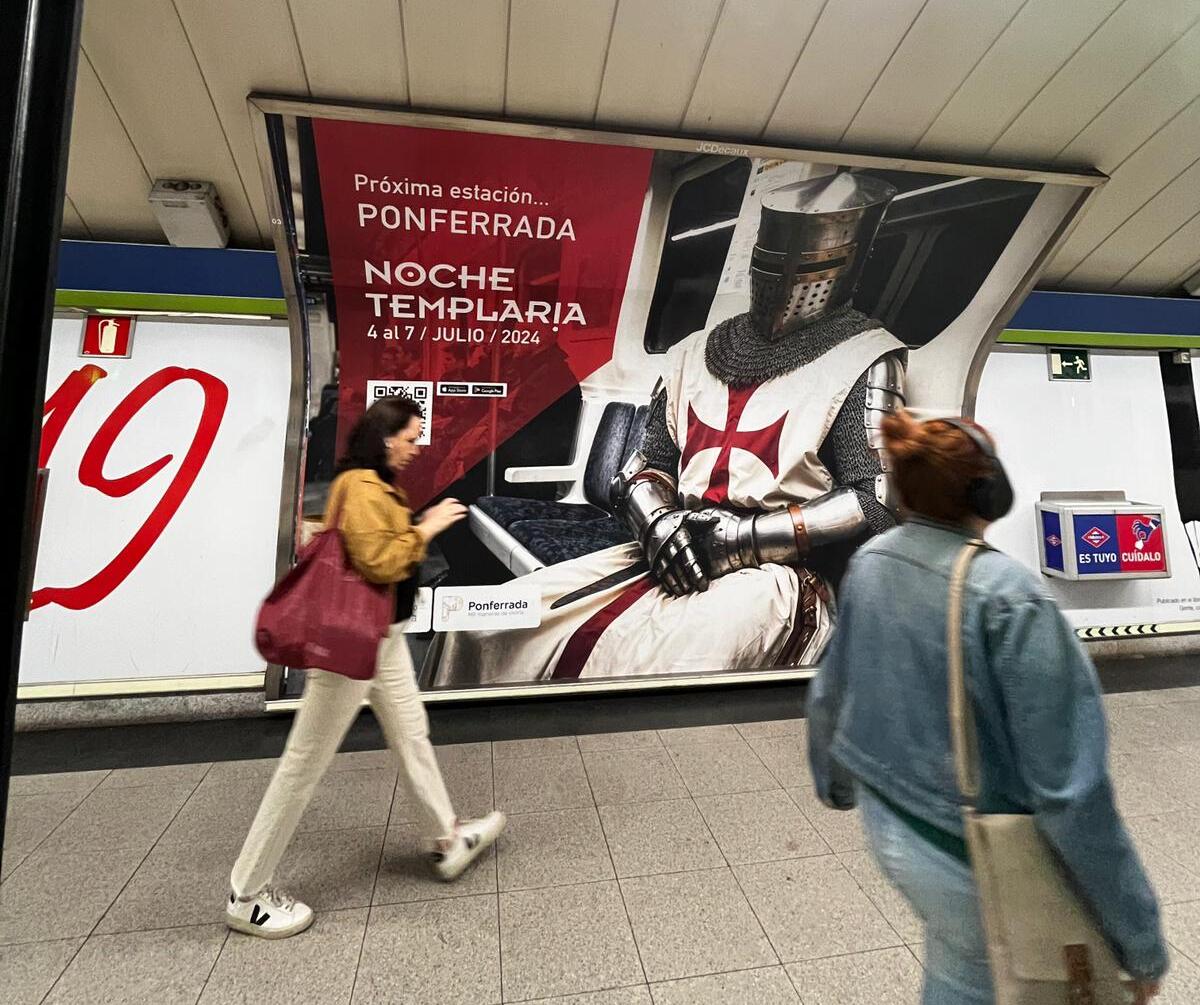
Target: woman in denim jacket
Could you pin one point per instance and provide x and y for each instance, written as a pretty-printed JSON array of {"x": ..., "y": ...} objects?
[{"x": 880, "y": 733}]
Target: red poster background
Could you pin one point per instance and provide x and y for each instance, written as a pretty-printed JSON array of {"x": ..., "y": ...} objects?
[
  {"x": 1127, "y": 543},
  {"x": 600, "y": 188}
]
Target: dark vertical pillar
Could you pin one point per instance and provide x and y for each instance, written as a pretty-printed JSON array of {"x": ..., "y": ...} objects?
[{"x": 39, "y": 41}]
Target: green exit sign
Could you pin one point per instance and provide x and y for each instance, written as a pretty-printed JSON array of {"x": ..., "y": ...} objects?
[{"x": 1069, "y": 364}]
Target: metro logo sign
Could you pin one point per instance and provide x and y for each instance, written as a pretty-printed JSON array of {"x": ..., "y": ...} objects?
[
  {"x": 1095, "y": 551},
  {"x": 1115, "y": 543},
  {"x": 1052, "y": 535}
]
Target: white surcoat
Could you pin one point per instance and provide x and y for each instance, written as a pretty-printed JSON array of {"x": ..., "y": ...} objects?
[{"x": 749, "y": 449}]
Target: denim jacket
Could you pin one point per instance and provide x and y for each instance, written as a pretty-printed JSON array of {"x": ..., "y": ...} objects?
[{"x": 878, "y": 713}]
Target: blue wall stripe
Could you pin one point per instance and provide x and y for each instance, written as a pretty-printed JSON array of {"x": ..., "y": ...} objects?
[
  {"x": 230, "y": 272},
  {"x": 160, "y": 268},
  {"x": 1103, "y": 312}
]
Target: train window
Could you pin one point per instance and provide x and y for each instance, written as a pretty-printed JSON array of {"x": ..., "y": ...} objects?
[
  {"x": 699, "y": 229},
  {"x": 938, "y": 241}
]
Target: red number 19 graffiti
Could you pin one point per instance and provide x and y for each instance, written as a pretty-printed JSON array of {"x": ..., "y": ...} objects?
[{"x": 59, "y": 408}]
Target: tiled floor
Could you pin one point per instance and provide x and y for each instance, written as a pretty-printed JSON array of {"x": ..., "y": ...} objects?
[{"x": 673, "y": 867}]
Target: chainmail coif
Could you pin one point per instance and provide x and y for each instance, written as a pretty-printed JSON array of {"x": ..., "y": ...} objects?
[{"x": 738, "y": 355}]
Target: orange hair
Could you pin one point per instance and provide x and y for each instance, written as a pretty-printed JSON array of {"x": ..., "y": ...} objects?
[{"x": 933, "y": 463}]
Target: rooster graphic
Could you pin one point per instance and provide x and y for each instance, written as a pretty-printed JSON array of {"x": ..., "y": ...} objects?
[{"x": 1143, "y": 528}]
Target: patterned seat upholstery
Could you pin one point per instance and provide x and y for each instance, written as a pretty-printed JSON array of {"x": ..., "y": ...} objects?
[
  {"x": 556, "y": 532},
  {"x": 554, "y": 541},
  {"x": 508, "y": 510}
]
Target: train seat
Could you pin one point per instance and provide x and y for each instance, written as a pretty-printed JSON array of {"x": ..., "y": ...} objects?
[{"x": 528, "y": 534}]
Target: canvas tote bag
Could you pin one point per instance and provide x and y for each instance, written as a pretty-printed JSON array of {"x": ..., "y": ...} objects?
[
  {"x": 1043, "y": 947},
  {"x": 322, "y": 614}
]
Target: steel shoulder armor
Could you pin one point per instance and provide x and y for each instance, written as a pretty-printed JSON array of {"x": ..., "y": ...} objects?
[{"x": 885, "y": 396}]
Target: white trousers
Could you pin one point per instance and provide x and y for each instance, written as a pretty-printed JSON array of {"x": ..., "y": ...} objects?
[{"x": 330, "y": 705}]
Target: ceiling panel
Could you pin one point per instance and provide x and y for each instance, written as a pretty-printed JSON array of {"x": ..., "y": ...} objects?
[
  {"x": 837, "y": 70},
  {"x": 1178, "y": 257},
  {"x": 1041, "y": 37},
  {"x": 228, "y": 38},
  {"x": 1108, "y": 83},
  {"x": 1152, "y": 224},
  {"x": 945, "y": 42},
  {"x": 72, "y": 222},
  {"x": 162, "y": 100},
  {"x": 749, "y": 61},
  {"x": 105, "y": 178},
  {"x": 457, "y": 51},
  {"x": 556, "y": 55},
  {"x": 1137, "y": 33},
  {"x": 1151, "y": 101},
  {"x": 352, "y": 50},
  {"x": 1167, "y": 154},
  {"x": 654, "y": 60}
]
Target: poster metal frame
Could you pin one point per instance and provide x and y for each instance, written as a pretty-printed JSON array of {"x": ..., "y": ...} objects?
[{"x": 261, "y": 105}]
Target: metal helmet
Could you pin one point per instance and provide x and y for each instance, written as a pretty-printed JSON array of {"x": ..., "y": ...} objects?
[{"x": 813, "y": 241}]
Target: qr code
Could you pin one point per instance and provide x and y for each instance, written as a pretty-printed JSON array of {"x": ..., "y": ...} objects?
[{"x": 419, "y": 392}]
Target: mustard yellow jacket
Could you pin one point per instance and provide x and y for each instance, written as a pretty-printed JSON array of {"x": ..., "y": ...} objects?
[{"x": 377, "y": 526}]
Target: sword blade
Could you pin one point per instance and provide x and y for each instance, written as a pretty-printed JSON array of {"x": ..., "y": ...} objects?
[{"x": 600, "y": 585}]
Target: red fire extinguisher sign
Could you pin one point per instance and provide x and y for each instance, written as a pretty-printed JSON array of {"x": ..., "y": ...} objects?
[{"x": 107, "y": 337}]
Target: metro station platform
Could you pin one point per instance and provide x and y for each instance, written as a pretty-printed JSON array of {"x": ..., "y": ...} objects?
[{"x": 687, "y": 864}]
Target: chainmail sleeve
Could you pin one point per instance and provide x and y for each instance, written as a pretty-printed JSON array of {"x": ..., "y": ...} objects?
[
  {"x": 850, "y": 459},
  {"x": 657, "y": 445}
]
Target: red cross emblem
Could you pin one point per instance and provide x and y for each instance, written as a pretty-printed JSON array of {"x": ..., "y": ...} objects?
[{"x": 762, "y": 443}]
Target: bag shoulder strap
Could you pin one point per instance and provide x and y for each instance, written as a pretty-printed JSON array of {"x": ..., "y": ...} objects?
[{"x": 963, "y": 737}]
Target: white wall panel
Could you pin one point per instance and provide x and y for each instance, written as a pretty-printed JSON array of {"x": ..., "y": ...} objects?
[
  {"x": 143, "y": 57},
  {"x": 228, "y": 38},
  {"x": 1169, "y": 84},
  {"x": 1107, "y": 433},
  {"x": 1141, "y": 234},
  {"x": 105, "y": 178},
  {"x": 352, "y": 50},
  {"x": 1037, "y": 41},
  {"x": 456, "y": 53},
  {"x": 839, "y": 66},
  {"x": 187, "y": 607},
  {"x": 1137, "y": 33},
  {"x": 556, "y": 56},
  {"x": 750, "y": 59},
  {"x": 654, "y": 61},
  {"x": 948, "y": 38},
  {"x": 1166, "y": 155}
]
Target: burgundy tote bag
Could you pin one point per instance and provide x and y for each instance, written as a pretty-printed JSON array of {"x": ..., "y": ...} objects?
[{"x": 323, "y": 614}]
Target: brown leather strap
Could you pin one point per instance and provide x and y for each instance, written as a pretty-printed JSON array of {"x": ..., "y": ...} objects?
[
  {"x": 803, "y": 544},
  {"x": 1080, "y": 989},
  {"x": 812, "y": 592}
]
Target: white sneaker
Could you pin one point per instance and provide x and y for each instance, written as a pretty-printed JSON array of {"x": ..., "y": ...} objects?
[
  {"x": 270, "y": 915},
  {"x": 471, "y": 839}
]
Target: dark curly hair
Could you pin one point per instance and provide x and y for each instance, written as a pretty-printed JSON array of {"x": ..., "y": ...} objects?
[{"x": 367, "y": 446}]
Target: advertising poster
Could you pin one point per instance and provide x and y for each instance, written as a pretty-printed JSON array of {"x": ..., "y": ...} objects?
[{"x": 653, "y": 375}]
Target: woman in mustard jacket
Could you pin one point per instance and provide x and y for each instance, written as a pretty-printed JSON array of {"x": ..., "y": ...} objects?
[{"x": 386, "y": 545}]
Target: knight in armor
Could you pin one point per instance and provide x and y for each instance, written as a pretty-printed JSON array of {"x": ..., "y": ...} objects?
[{"x": 760, "y": 469}]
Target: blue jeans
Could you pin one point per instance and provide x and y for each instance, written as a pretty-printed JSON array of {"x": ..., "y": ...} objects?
[{"x": 941, "y": 890}]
